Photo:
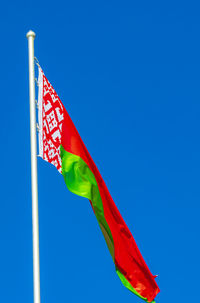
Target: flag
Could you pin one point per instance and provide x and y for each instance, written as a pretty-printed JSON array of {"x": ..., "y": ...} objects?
[{"x": 61, "y": 145}]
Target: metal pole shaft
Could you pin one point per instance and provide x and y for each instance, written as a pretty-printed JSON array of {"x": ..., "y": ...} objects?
[{"x": 36, "y": 263}]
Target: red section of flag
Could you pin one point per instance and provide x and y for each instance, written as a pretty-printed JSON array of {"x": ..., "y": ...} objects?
[{"x": 128, "y": 258}]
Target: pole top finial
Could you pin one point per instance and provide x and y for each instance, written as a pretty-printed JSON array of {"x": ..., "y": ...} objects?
[{"x": 30, "y": 34}]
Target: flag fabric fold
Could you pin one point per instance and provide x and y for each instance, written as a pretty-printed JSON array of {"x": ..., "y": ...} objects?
[{"x": 61, "y": 145}]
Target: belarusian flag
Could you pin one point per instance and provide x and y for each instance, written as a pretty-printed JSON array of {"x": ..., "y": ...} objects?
[{"x": 61, "y": 145}]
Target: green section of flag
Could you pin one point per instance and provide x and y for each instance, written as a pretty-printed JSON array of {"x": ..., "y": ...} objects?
[{"x": 81, "y": 181}]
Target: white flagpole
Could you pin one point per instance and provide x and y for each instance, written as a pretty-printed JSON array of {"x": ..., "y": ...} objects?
[{"x": 36, "y": 263}]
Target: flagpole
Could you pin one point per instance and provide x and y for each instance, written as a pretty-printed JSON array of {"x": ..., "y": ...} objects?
[{"x": 35, "y": 224}]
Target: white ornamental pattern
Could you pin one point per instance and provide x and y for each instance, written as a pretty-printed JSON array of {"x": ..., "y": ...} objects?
[{"x": 51, "y": 116}]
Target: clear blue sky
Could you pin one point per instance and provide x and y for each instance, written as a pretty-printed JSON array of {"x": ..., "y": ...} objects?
[{"x": 128, "y": 72}]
